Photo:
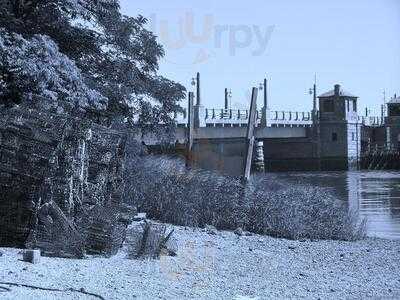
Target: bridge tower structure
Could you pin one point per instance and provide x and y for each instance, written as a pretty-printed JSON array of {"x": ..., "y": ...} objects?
[
  {"x": 339, "y": 134},
  {"x": 392, "y": 123}
]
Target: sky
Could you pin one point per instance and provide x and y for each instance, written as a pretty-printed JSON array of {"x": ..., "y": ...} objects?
[{"x": 236, "y": 44}]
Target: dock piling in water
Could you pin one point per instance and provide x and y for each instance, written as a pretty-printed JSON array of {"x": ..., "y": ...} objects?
[{"x": 250, "y": 139}]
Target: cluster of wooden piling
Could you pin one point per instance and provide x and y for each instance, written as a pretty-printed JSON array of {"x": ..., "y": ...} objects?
[{"x": 381, "y": 159}]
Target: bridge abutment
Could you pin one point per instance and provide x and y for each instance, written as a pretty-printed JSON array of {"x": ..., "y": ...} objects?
[{"x": 199, "y": 116}]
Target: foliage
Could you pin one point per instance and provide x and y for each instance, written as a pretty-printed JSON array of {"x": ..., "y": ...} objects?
[
  {"x": 168, "y": 192},
  {"x": 33, "y": 73},
  {"x": 116, "y": 55}
]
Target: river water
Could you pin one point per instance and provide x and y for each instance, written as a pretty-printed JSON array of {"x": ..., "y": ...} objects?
[{"x": 375, "y": 195}]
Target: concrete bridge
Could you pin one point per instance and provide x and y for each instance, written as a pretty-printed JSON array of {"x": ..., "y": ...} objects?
[
  {"x": 231, "y": 123},
  {"x": 330, "y": 137}
]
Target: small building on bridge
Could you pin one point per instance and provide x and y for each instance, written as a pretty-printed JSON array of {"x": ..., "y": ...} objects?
[{"x": 338, "y": 130}]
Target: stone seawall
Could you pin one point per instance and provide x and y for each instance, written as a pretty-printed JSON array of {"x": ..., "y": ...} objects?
[{"x": 58, "y": 177}]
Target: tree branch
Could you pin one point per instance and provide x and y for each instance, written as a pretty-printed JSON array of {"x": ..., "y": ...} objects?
[{"x": 82, "y": 291}]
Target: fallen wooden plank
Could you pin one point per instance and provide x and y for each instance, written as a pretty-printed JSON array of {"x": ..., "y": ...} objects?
[{"x": 250, "y": 134}]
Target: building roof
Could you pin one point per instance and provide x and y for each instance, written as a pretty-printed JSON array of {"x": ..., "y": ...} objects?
[
  {"x": 342, "y": 93},
  {"x": 394, "y": 101}
]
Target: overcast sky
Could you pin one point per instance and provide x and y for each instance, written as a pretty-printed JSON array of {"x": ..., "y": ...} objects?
[{"x": 235, "y": 44}]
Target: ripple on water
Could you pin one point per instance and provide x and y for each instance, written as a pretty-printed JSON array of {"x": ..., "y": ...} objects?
[{"x": 374, "y": 194}]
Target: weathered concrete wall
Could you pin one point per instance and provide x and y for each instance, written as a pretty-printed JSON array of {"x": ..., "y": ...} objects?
[
  {"x": 295, "y": 154},
  {"x": 305, "y": 152},
  {"x": 231, "y": 133},
  {"x": 224, "y": 149},
  {"x": 331, "y": 148},
  {"x": 337, "y": 142},
  {"x": 47, "y": 159},
  {"x": 226, "y": 156},
  {"x": 337, "y": 149}
]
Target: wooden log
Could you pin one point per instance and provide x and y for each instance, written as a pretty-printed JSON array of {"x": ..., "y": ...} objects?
[
  {"x": 172, "y": 250},
  {"x": 250, "y": 134}
]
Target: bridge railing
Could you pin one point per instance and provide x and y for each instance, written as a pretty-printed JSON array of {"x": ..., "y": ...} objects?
[
  {"x": 290, "y": 116},
  {"x": 240, "y": 117},
  {"x": 371, "y": 121},
  {"x": 244, "y": 114},
  {"x": 226, "y": 114}
]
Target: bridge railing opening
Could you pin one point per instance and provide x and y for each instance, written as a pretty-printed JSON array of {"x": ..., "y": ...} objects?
[
  {"x": 290, "y": 116},
  {"x": 218, "y": 116},
  {"x": 226, "y": 114}
]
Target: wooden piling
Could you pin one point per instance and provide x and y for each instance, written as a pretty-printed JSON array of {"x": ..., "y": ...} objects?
[
  {"x": 190, "y": 129},
  {"x": 198, "y": 96},
  {"x": 250, "y": 134}
]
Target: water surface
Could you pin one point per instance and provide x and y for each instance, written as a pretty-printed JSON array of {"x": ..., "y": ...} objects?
[{"x": 374, "y": 195}]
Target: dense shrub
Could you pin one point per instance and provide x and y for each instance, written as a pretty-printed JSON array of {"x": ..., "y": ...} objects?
[{"x": 168, "y": 192}]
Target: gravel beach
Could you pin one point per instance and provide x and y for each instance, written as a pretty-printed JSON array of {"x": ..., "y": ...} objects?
[{"x": 218, "y": 266}]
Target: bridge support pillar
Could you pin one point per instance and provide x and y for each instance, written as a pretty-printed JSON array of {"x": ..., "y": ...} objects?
[
  {"x": 258, "y": 162},
  {"x": 199, "y": 116},
  {"x": 264, "y": 117}
]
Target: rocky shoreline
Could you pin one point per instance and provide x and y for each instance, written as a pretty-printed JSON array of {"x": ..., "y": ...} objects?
[{"x": 218, "y": 265}]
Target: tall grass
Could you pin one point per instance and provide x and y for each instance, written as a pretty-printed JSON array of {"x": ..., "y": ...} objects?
[{"x": 166, "y": 191}]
